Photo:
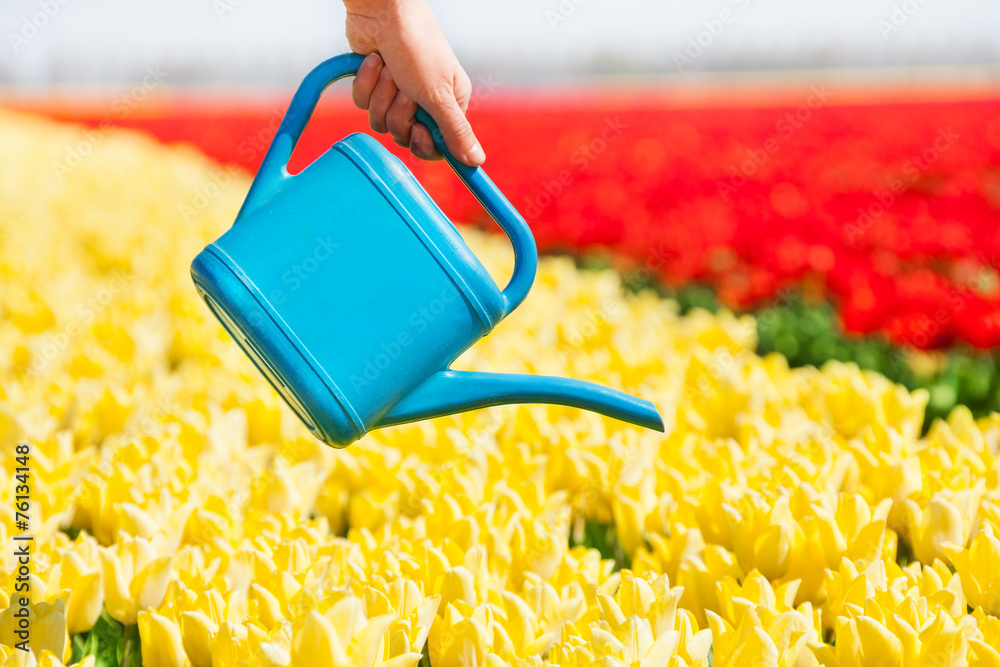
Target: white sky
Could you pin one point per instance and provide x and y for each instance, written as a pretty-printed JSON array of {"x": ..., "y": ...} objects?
[{"x": 277, "y": 41}]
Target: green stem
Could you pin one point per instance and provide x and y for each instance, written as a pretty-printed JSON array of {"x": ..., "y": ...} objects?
[{"x": 127, "y": 648}]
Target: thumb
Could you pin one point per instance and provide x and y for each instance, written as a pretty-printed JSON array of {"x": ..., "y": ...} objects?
[{"x": 457, "y": 133}]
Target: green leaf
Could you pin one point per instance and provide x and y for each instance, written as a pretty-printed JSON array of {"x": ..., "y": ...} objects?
[
  {"x": 108, "y": 630},
  {"x": 809, "y": 333},
  {"x": 604, "y": 539},
  {"x": 107, "y": 641},
  {"x": 134, "y": 649},
  {"x": 83, "y": 645},
  {"x": 129, "y": 652},
  {"x": 904, "y": 553},
  {"x": 107, "y": 658},
  {"x": 72, "y": 531}
]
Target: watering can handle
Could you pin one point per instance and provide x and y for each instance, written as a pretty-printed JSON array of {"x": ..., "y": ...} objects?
[
  {"x": 274, "y": 169},
  {"x": 501, "y": 210}
]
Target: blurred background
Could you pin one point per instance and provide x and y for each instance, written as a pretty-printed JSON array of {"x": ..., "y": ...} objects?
[
  {"x": 227, "y": 42},
  {"x": 833, "y": 167}
]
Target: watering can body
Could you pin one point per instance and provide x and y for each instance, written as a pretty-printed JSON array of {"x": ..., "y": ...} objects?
[{"x": 353, "y": 293}]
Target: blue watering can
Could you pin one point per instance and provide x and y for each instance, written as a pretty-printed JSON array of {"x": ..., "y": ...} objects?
[{"x": 353, "y": 293}]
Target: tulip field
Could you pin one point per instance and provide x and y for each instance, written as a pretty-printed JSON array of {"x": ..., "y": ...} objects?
[
  {"x": 862, "y": 224},
  {"x": 799, "y": 510}
]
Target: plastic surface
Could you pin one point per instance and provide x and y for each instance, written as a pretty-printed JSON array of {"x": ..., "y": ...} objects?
[
  {"x": 501, "y": 210},
  {"x": 352, "y": 292},
  {"x": 456, "y": 391}
]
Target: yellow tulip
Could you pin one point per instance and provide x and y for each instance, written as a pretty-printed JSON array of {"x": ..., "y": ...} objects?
[
  {"x": 230, "y": 646},
  {"x": 699, "y": 577},
  {"x": 85, "y": 593},
  {"x": 756, "y": 590},
  {"x": 272, "y": 650},
  {"x": 667, "y": 554},
  {"x": 404, "y": 660},
  {"x": 982, "y": 654},
  {"x": 979, "y": 569},
  {"x": 537, "y": 548},
  {"x": 640, "y": 625},
  {"x": 938, "y": 523},
  {"x": 161, "y": 642},
  {"x": 457, "y": 641},
  {"x": 135, "y": 578},
  {"x": 865, "y": 641},
  {"x": 197, "y": 631},
  {"x": 765, "y": 537},
  {"x": 762, "y": 634},
  {"x": 45, "y": 659},
  {"x": 344, "y": 636},
  {"x": 36, "y": 628},
  {"x": 316, "y": 641},
  {"x": 405, "y": 601},
  {"x": 943, "y": 643},
  {"x": 767, "y": 519},
  {"x": 458, "y": 585}
]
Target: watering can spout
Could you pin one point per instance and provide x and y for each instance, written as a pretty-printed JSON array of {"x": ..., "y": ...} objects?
[{"x": 448, "y": 392}]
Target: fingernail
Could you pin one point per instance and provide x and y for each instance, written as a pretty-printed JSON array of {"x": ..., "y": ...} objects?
[
  {"x": 477, "y": 155},
  {"x": 371, "y": 60}
]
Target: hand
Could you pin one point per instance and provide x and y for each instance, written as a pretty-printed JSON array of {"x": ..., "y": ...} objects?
[{"x": 409, "y": 63}]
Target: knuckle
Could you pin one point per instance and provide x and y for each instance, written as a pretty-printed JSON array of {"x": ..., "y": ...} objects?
[
  {"x": 361, "y": 33},
  {"x": 377, "y": 123},
  {"x": 463, "y": 131},
  {"x": 402, "y": 112},
  {"x": 420, "y": 148},
  {"x": 399, "y": 120},
  {"x": 441, "y": 95},
  {"x": 357, "y": 44},
  {"x": 463, "y": 85},
  {"x": 359, "y": 97},
  {"x": 399, "y": 129}
]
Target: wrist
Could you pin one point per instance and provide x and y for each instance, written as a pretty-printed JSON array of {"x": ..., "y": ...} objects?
[
  {"x": 370, "y": 21},
  {"x": 376, "y": 8}
]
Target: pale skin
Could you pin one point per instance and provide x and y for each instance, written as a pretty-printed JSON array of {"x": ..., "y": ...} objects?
[{"x": 409, "y": 62}]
